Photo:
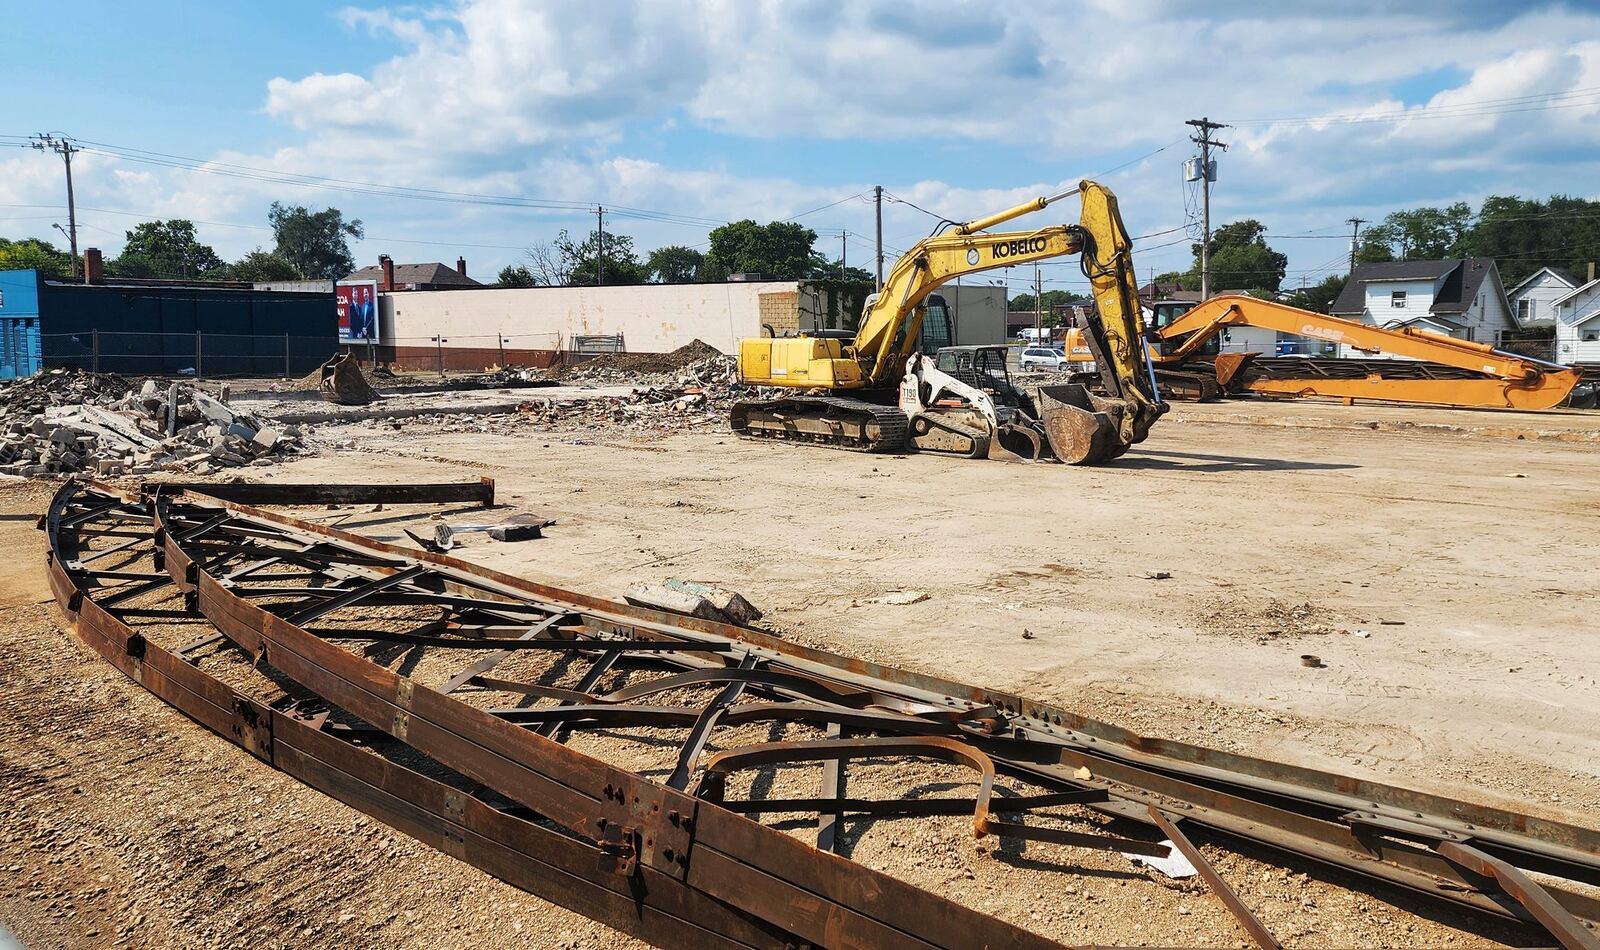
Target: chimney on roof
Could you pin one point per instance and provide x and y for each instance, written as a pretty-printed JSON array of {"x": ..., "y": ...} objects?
[
  {"x": 94, "y": 267},
  {"x": 1591, "y": 271},
  {"x": 387, "y": 264},
  {"x": 461, "y": 266}
]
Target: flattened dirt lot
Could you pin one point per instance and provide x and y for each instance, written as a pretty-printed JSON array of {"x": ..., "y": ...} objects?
[{"x": 1444, "y": 582}]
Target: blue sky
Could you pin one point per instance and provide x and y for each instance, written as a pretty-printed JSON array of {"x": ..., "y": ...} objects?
[{"x": 701, "y": 111}]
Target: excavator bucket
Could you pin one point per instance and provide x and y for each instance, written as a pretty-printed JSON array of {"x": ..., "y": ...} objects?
[
  {"x": 1229, "y": 366},
  {"x": 1083, "y": 428},
  {"x": 343, "y": 384}
]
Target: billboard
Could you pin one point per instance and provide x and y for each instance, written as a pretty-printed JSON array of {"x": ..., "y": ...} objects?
[{"x": 357, "y": 304}]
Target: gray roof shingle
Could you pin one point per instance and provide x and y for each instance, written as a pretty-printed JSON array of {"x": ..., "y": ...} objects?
[{"x": 435, "y": 273}]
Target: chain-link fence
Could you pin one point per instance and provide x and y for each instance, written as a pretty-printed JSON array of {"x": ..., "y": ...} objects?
[
  {"x": 1523, "y": 344},
  {"x": 187, "y": 354}
]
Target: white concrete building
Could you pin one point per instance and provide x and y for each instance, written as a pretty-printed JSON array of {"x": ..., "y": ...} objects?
[
  {"x": 1461, "y": 298},
  {"x": 1532, "y": 301},
  {"x": 1577, "y": 316}
]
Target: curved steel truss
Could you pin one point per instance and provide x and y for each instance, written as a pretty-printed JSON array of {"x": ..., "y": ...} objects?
[{"x": 585, "y": 750}]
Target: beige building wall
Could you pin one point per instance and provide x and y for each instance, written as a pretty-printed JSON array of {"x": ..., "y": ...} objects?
[{"x": 652, "y": 318}]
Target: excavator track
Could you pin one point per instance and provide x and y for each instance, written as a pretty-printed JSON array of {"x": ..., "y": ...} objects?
[{"x": 838, "y": 422}]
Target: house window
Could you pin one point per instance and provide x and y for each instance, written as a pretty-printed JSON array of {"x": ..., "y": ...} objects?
[
  {"x": 1397, "y": 299},
  {"x": 1524, "y": 310},
  {"x": 1591, "y": 336}
]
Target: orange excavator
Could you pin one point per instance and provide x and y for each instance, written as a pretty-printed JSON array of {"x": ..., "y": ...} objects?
[{"x": 1405, "y": 365}]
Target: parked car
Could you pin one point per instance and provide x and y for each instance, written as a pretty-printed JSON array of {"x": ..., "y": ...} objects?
[{"x": 1042, "y": 357}]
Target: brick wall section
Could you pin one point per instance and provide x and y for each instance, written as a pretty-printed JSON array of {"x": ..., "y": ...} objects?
[{"x": 781, "y": 311}]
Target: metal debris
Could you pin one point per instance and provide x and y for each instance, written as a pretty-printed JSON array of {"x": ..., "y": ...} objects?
[{"x": 683, "y": 862}]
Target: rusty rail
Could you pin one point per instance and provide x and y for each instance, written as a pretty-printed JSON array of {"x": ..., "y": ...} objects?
[{"x": 300, "y": 598}]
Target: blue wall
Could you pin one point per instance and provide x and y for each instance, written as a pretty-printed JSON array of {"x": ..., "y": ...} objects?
[{"x": 19, "y": 323}]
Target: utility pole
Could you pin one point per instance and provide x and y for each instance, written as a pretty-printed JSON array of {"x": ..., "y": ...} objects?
[
  {"x": 600, "y": 257},
  {"x": 1355, "y": 232},
  {"x": 877, "y": 202},
  {"x": 64, "y": 148},
  {"x": 1207, "y": 176},
  {"x": 1038, "y": 307},
  {"x": 844, "y": 250}
]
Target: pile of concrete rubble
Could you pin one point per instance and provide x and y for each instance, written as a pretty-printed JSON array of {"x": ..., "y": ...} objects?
[{"x": 66, "y": 421}]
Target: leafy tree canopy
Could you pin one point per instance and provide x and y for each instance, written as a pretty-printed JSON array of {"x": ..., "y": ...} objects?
[
  {"x": 675, "y": 264},
  {"x": 516, "y": 276},
  {"x": 1319, "y": 296},
  {"x": 166, "y": 250},
  {"x": 1521, "y": 234},
  {"x": 780, "y": 250},
  {"x": 316, "y": 243},
  {"x": 1241, "y": 258},
  {"x": 259, "y": 265},
  {"x": 1051, "y": 298},
  {"x": 32, "y": 253},
  {"x": 586, "y": 265}
]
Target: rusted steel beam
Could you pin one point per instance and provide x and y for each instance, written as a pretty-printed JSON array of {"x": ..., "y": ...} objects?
[
  {"x": 1573, "y": 933},
  {"x": 657, "y": 908},
  {"x": 1252, "y": 925},
  {"x": 287, "y": 494},
  {"x": 740, "y": 864},
  {"x": 591, "y": 799},
  {"x": 1035, "y": 743}
]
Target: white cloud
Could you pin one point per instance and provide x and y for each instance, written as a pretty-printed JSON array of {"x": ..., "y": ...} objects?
[{"x": 566, "y": 101}]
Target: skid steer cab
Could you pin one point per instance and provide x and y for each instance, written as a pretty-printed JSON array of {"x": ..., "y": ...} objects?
[{"x": 962, "y": 401}]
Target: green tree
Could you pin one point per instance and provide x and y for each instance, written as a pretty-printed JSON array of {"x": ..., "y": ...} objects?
[
  {"x": 1241, "y": 258},
  {"x": 34, "y": 254},
  {"x": 259, "y": 265},
  {"x": 1320, "y": 296},
  {"x": 1052, "y": 299},
  {"x": 780, "y": 250},
  {"x": 824, "y": 269},
  {"x": 1185, "y": 279},
  {"x": 166, "y": 250},
  {"x": 1524, "y": 235},
  {"x": 516, "y": 276},
  {"x": 583, "y": 262},
  {"x": 316, "y": 243},
  {"x": 675, "y": 264},
  {"x": 1376, "y": 245},
  {"x": 1424, "y": 234}
]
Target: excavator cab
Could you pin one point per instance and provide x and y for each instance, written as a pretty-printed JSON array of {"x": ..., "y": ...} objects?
[{"x": 1162, "y": 315}]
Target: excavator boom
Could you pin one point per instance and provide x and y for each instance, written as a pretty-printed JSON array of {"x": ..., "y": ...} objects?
[{"x": 1477, "y": 375}]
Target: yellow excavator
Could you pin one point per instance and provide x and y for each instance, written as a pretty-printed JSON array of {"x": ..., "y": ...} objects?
[{"x": 874, "y": 391}]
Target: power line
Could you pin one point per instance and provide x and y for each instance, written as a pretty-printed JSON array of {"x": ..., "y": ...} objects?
[
  {"x": 151, "y": 216},
  {"x": 1571, "y": 98}
]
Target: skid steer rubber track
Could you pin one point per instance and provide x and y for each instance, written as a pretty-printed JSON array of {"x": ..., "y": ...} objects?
[{"x": 838, "y": 422}]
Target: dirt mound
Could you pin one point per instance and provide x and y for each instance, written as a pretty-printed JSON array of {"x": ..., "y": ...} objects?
[{"x": 680, "y": 358}]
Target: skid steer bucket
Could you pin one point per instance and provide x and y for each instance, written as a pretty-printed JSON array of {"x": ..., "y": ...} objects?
[{"x": 1083, "y": 428}]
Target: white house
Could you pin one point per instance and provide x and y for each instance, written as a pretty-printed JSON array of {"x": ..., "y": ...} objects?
[
  {"x": 1532, "y": 301},
  {"x": 1461, "y": 298},
  {"x": 1577, "y": 315}
]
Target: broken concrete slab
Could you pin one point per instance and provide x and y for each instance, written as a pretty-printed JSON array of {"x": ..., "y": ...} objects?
[{"x": 708, "y": 601}]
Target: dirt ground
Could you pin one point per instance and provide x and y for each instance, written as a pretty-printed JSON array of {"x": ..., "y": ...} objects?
[{"x": 1439, "y": 568}]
